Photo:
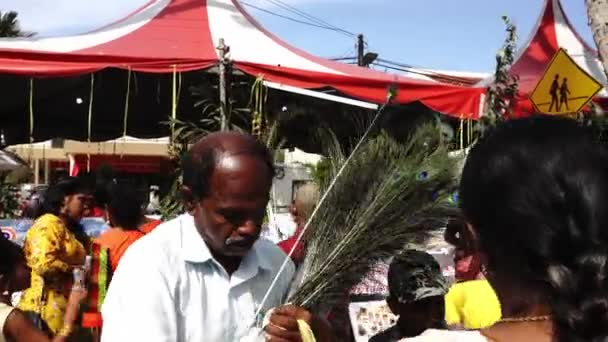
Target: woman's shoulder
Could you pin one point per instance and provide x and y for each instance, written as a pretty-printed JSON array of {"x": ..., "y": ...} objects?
[
  {"x": 115, "y": 236},
  {"x": 433, "y": 335},
  {"x": 5, "y": 311},
  {"x": 46, "y": 223}
]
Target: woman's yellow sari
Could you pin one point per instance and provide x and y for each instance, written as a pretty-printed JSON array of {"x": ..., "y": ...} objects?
[{"x": 51, "y": 250}]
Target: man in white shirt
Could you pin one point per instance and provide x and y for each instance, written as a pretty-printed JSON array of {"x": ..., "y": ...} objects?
[{"x": 203, "y": 275}]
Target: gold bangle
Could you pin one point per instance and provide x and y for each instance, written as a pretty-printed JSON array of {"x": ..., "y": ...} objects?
[{"x": 66, "y": 330}]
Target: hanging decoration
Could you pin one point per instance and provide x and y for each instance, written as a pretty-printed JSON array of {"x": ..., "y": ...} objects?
[{"x": 257, "y": 101}]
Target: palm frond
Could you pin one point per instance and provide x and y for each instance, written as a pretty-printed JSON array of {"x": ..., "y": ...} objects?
[
  {"x": 9, "y": 26},
  {"x": 389, "y": 195}
]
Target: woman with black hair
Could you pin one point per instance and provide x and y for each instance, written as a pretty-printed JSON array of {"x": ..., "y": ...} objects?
[
  {"x": 534, "y": 195},
  {"x": 15, "y": 276},
  {"x": 53, "y": 246}
]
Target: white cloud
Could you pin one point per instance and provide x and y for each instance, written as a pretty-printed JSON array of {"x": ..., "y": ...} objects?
[
  {"x": 65, "y": 17},
  {"x": 296, "y": 3},
  {"x": 61, "y": 17}
]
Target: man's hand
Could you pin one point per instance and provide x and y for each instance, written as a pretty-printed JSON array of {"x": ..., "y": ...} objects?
[{"x": 283, "y": 325}]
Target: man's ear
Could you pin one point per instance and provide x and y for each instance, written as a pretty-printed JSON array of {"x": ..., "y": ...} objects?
[{"x": 189, "y": 199}]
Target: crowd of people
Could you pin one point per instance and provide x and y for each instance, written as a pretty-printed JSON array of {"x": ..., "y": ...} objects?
[{"x": 531, "y": 252}]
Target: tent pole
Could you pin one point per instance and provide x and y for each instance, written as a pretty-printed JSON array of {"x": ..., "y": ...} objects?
[
  {"x": 47, "y": 171},
  {"x": 223, "y": 61},
  {"x": 36, "y": 171}
]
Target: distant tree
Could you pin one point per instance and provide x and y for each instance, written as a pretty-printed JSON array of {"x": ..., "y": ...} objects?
[
  {"x": 597, "y": 11},
  {"x": 9, "y": 26}
]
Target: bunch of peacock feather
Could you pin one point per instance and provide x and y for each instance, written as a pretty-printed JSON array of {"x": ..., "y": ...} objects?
[{"x": 388, "y": 196}]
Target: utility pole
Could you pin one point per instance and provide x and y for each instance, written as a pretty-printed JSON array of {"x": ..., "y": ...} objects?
[{"x": 360, "y": 50}]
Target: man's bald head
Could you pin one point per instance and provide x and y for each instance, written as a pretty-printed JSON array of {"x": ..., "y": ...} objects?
[{"x": 203, "y": 157}]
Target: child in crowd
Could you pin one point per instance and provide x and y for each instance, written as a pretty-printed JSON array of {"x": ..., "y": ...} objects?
[{"x": 417, "y": 288}]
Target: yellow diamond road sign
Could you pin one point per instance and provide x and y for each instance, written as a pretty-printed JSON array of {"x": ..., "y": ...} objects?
[{"x": 565, "y": 88}]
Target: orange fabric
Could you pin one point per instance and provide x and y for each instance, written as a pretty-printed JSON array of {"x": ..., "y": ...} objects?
[
  {"x": 92, "y": 320},
  {"x": 149, "y": 226},
  {"x": 117, "y": 241}
]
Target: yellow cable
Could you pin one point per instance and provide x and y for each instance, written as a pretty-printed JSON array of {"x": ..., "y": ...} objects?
[
  {"x": 174, "y": 103},
  {"x": 89, "y": 122},
  {"x": 461, "y": 133},
  {"x": 125, "y": 118},
  {"x": 179, "y": 86},
  {"x": 469, "y": 131},
  {"x": 31, "y": 110},
  {"x": 31, "y": 153},
  {"x": 126, "y": 113}
]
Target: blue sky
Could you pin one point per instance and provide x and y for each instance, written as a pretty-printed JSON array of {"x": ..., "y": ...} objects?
[{"x": 443, "y": 34}]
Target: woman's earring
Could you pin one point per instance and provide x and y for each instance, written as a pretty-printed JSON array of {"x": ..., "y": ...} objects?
[
  {"x": 484, "y": 270},
  {"x": 6, "y": 291}
]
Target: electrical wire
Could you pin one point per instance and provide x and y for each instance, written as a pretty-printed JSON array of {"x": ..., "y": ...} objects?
[
  {"x": 420, "y": 71},
  {"x": 349, "y": 59},
  {"x": 348, "y": 54},
  {"x": 395, "y": 63},
  {"x": 411, "y": 70},
  {"x": 337, "y": 30},
  {"x": 308, "y": 16}
]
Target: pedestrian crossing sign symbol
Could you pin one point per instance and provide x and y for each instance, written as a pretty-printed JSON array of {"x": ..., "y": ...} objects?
[{"x": 565, "y": 88}]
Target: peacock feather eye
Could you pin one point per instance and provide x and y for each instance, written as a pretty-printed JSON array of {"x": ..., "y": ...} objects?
[
  {"x": 424, "y": 175},
  {"x": 454, "y": 198}
]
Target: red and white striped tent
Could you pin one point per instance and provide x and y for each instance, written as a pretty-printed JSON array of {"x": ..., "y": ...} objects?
[
  {"x": 552, "y": 32},
  {"x": 166, "y": 36}
]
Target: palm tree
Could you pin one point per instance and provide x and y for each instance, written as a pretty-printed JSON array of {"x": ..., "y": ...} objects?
[
  {"x": 597, "y": 11},
  {"x": 9, "y": 26}
]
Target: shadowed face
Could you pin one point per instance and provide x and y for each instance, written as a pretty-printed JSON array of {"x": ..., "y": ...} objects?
[
  {"x": 21, "y": 277},
  {"x": 418, "y": 316},
  {"x": 230, "y": 218},
  {"x": 75, "y": 206}
]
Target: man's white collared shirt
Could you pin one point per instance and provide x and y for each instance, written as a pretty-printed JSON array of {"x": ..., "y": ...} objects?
[{"x": 168, "y": 288}]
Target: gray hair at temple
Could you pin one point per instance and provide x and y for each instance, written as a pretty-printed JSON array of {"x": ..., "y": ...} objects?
[{"x": 306, "y": 199}]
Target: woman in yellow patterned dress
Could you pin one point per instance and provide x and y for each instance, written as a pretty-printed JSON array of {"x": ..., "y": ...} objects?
[{"x": 53, "y": 246}]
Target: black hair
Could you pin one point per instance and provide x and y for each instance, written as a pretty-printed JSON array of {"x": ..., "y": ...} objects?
[
  {"x": 124, "y": 206},
  {"x": 54, "y": 196},
  {"x": 198, "y": 164},
  {"x": 535, "y": 191},
  {"x": 33, "y": 206},
  {"x": 453, "y": 234},
  {"x": 10, "y": 255}
]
